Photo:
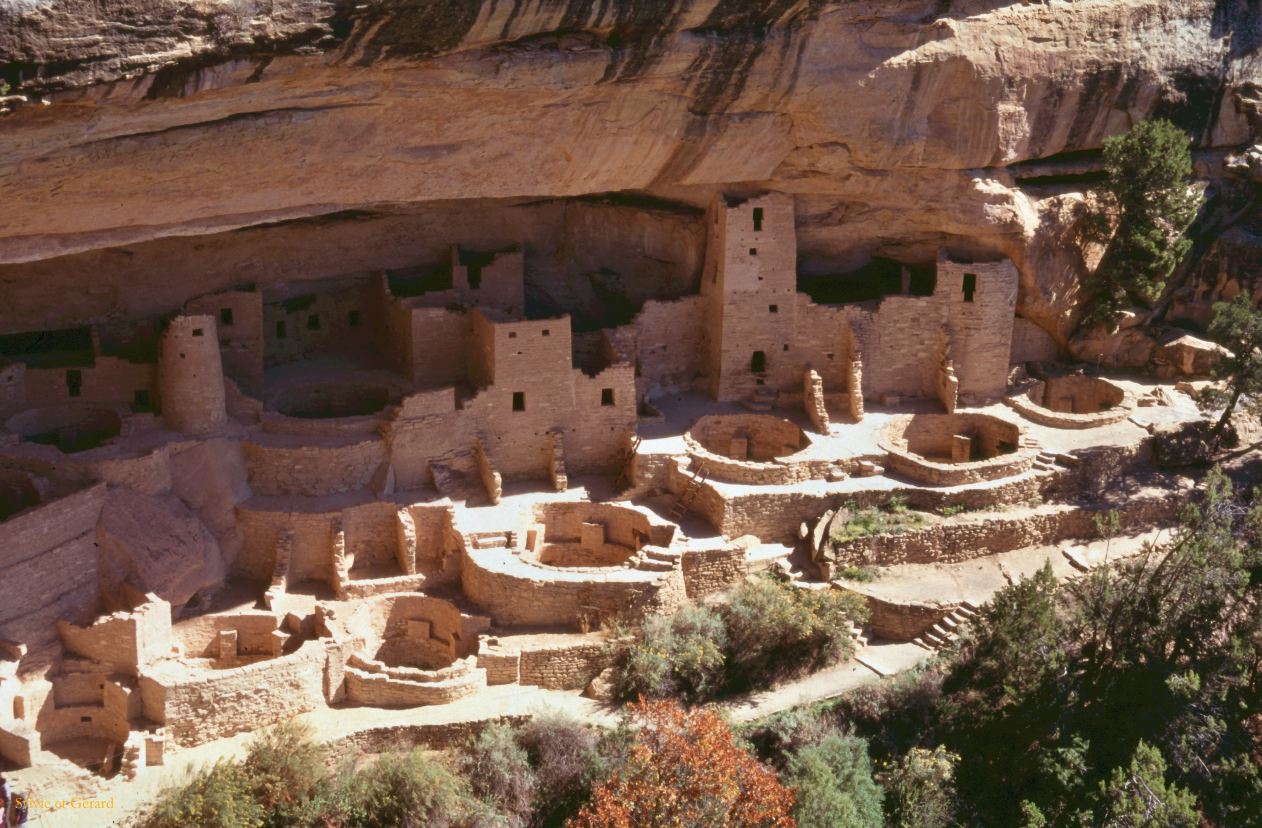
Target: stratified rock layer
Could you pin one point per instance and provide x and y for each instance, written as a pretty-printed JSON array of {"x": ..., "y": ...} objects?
[{"x": 901, "y": 125}]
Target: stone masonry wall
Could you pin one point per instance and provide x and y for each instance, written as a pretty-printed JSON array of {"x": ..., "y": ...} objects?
[
  {"x": 49, "y": 558},
  {"x": 198, "y": 706}
]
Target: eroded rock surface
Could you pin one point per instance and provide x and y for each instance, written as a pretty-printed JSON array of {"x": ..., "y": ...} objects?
[{"x": 900, "y": 125}]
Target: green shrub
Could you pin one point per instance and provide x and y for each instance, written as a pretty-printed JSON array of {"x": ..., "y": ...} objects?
[
  {"x": 275, "y": 786},
  {"x": 834, "y": 785},
  {"x": 676, "y": 655},
  {"x": 221, "y": 796},
  {"x": 780, "y": 735},
  {"x": 287, "y": 767},
  {"x": 400, "y": 791},
  {"x": 775, "y": 629},
  {"x": 499, "y": 772},
  {"x": 894, "y": 517},
  {"x": 921, "y": 789},
  {"x": 864, "y": 574}
]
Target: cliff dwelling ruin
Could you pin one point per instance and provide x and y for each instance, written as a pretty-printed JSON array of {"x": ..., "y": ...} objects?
[
  {"x": 392, "y": 494},
  {"x": 379, "y": 365}
]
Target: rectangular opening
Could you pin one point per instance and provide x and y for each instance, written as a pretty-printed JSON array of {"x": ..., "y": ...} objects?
[
  {"x": 786, "y": 346},
  {"x": 198, "y": 332},
  {"x": 757, "y": 219},
  {"x": 512, "y": 334},
  {"x": 753, "y": 251},
  {"x": 970, "y": 286},
  {"x": 758, "y": 362},
  {"x": 225, "y": 316},
  {"x": 281, "y": 333},
  {"x": 519, "y": 400},
  {"x": 74, "y": 382},
  {"x": 773, "y": 308},
  {"x": 547, "y": 332},
  {"x": 353, "y": 319},
  {"x": 140, "y": 400},
  {"x": 313, "y": 322},
  {"x": 606, "y": 396}
]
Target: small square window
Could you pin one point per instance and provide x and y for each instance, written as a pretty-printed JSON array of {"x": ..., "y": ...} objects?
[
  {"x": 773, "y": 308},
  {"x": 753, "y": 251},
  {"x": 606, "y": 396},
  {"x": 313, "y": 322},
  {"x": 225, "y": 316},
  {"x": 547, "y": 332},
  {"x": 830, "y": 356},
  {"x": 786, "y": 346},
  {"x": 281, "y": 333},
  {"x": 519, "y": 400},
  {"x": 512, "y": 334},
  {"x": 198, "y": 332},
  {"x": 353, "y": 319}
]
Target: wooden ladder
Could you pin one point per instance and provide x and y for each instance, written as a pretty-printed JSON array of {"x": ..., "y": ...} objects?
[{"x": 684, "y": 501}]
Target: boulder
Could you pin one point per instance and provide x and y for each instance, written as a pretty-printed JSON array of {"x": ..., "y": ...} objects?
[
  {"x": 1187, "y": 356},
  {"x": 601, "y": 687},
  {"x": 156, "y": 544}
]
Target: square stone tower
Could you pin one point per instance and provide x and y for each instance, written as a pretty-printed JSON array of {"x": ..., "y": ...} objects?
[{"x": 750, "y": 286}]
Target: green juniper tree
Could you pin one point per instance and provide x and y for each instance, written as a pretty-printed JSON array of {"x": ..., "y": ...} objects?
[
  {"x": 1237, "y": 326},
  {"x": 1147, "y": 204}
]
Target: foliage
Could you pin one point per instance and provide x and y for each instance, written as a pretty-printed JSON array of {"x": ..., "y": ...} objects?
[
  {"x": 863, "y": 574},
  {"x": 1238, "y": 328},
  {"x": 921, "y": 789},
  {"x": 275, "y": 785},
  {"x": 775, "y": 629},
  {"x": 221, "y": 796},
  {"x": 1148, "y": 204},
  {"x": 1049, "y": 699},
  {"x": 568, "y": 758},
  {"x": 894, "y": 517},
  {"x": 677, "y": 655},
  {"x": 834, "y": 785},
  {"x": 767, "y": 629},
  {"x": 1138, "y": 796},
  {"x": 399, "y": 791},
  {"x": 685, "y": 768},
  {"x": 499, "y": 772}
]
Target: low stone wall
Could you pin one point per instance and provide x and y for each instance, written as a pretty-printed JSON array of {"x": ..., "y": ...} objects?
[
  {"x": 900, "y": 622},
  {"x": 198, "y": 705},
  {"x": 949, "y": 542},
  {"x": 711, "y": 571},
  {"x": 282, "y": 467},
  {"x": 913, "y": 444},
  {"x": 374, "y": 684},
  {"x": 775, "y": 516},
  {"x": 775, "y": 472},
  {"x": 515, "y": 593},
  {"x": 1094, "y": 402},
  {"x": 397, "y": 739}
]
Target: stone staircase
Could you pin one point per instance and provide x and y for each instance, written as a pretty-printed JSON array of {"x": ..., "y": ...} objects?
[
  {"x": 762, "y": 400},
  {"x": 944, "y": 633},
  {"x": 655, "y": 559}
]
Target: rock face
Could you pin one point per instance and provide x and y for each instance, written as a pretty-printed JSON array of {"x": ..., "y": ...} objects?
[
  {"x": 157, "y": 545},
  {"x": 900, "y": 126}
]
